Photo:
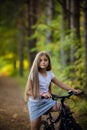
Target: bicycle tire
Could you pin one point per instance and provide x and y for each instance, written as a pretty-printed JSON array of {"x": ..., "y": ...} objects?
[
  {"x": 44, "y": 126},
  {"x": 61, "y": 126},
  {"x": 71, "y": 126},
  {"x": 75, "y": 126}
]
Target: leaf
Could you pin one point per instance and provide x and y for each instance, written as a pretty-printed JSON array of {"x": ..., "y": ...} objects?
[{"x": 15, "y": 116}]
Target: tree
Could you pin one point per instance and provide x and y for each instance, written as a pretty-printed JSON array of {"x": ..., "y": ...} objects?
[
  {"x": 63, "y": 32},
  {"x": 11, "y": 16},
  {"x": 31, "y": 12},
  {"x": 85, "y": 37},
  {"x": 21, "y": 40},
  {"x": 49, "y": 15}
]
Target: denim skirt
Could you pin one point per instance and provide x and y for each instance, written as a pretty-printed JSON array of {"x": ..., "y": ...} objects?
[{"x": 38, "y": 107}]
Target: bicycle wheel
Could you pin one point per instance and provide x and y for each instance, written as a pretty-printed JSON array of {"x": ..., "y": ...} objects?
[
  {"x": 75, "y": 126},
  {"x": 44, "y": 126},
  {"x": 69, "y": 125},
  {"x": 61, "y": 126}
]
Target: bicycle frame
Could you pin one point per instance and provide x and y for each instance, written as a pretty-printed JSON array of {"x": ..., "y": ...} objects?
[
  {"x": 64, "y": 117},
  {"x": 59, "y": 117}
]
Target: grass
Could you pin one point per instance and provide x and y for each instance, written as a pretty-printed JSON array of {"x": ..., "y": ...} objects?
[{"x": 22, "y": 81}]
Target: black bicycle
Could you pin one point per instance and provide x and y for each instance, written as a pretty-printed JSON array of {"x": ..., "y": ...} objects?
[{"x": 65, "y": 117}]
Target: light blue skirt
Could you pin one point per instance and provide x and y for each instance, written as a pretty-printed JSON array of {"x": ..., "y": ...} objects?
[{"x": 38, "y": 107}]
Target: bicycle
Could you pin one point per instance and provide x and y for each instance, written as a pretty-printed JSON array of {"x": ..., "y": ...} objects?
[{"x": 65, "y": 117}]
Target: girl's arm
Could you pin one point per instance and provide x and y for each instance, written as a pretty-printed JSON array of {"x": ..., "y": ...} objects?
[{"x": 64, "y": 86}]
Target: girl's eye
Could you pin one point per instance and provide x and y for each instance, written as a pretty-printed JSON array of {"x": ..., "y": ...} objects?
[
  {"x": 45, "y": 60},
  {"x": 40, "y": 60}
]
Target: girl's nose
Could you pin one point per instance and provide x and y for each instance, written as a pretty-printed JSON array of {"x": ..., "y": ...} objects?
[{"x": 42, "y": 61}]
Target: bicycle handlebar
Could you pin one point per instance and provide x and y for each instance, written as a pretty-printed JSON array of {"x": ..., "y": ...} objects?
[{"x": 70, "y": 93}]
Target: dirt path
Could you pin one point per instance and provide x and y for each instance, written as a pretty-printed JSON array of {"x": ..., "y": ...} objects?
[{"x": 13, "y": 109}]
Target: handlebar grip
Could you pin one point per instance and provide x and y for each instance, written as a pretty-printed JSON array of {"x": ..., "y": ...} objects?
[
  {"x": 53, "y": 96},
  {"x": 81, "y": 93},
  {"x": 42, "y": 97}
]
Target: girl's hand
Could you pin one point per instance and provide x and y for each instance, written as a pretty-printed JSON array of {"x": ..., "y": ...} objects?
[
  {"x": 46, "y": 95},
  {"x": 77, "y": 91}
]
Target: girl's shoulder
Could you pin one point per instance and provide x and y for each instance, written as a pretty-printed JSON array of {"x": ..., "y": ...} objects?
[{"x": 50, "y": 73}]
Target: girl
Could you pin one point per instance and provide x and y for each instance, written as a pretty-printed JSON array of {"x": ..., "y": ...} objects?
[{"x": 38, "y": 84}]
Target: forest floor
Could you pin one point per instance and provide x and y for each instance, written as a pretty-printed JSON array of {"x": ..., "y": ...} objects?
[{"x": 13, "y": 109}]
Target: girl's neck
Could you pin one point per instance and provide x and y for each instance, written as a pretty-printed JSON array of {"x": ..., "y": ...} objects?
[{"x": 42, "y": 71}]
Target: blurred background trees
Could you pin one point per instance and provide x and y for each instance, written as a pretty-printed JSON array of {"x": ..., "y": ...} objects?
[{"x": 56, "y": 26}]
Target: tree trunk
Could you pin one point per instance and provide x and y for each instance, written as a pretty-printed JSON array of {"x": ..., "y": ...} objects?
[
  {"x": 68, "y": 13},
  {"x": 21, "y": 41},
  {"x": 75, "y": 24},
  {"x": 72, "y": 50},
  {"x": 49, "y": 15},
  {"x": 76, "y": 18},
  {"x": 85, "y": 37},
  {"x": 63, "y": 28},
  {"x": 32, "y": 7}
]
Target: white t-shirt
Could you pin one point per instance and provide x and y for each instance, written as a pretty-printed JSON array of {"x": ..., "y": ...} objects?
[{"x": 44, "y": 81}]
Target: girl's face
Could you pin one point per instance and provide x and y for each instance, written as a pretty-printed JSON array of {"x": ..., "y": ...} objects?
[{"x": 44, "y": 62}]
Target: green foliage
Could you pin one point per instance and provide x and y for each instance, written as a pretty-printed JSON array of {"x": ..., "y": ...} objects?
[
  {"x": 9, "y": 12},
  {"x": 72, "y": 74},
  {"x": 76, "y": 72},
  {"x": 5, "y": 68},
  {"x": 8, "y": 40}
]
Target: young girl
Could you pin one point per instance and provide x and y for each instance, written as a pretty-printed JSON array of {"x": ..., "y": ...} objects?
[{"x": 38, "y": 84}]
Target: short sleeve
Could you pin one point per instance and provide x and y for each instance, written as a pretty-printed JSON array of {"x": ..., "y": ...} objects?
[{"x": 51, "y": 75}]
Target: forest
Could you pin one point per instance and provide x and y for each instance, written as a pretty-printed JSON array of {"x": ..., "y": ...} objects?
[{"x": 56, "y": 26}]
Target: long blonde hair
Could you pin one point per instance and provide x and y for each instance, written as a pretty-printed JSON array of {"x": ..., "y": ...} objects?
[{"x": 34, "y": 72}]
